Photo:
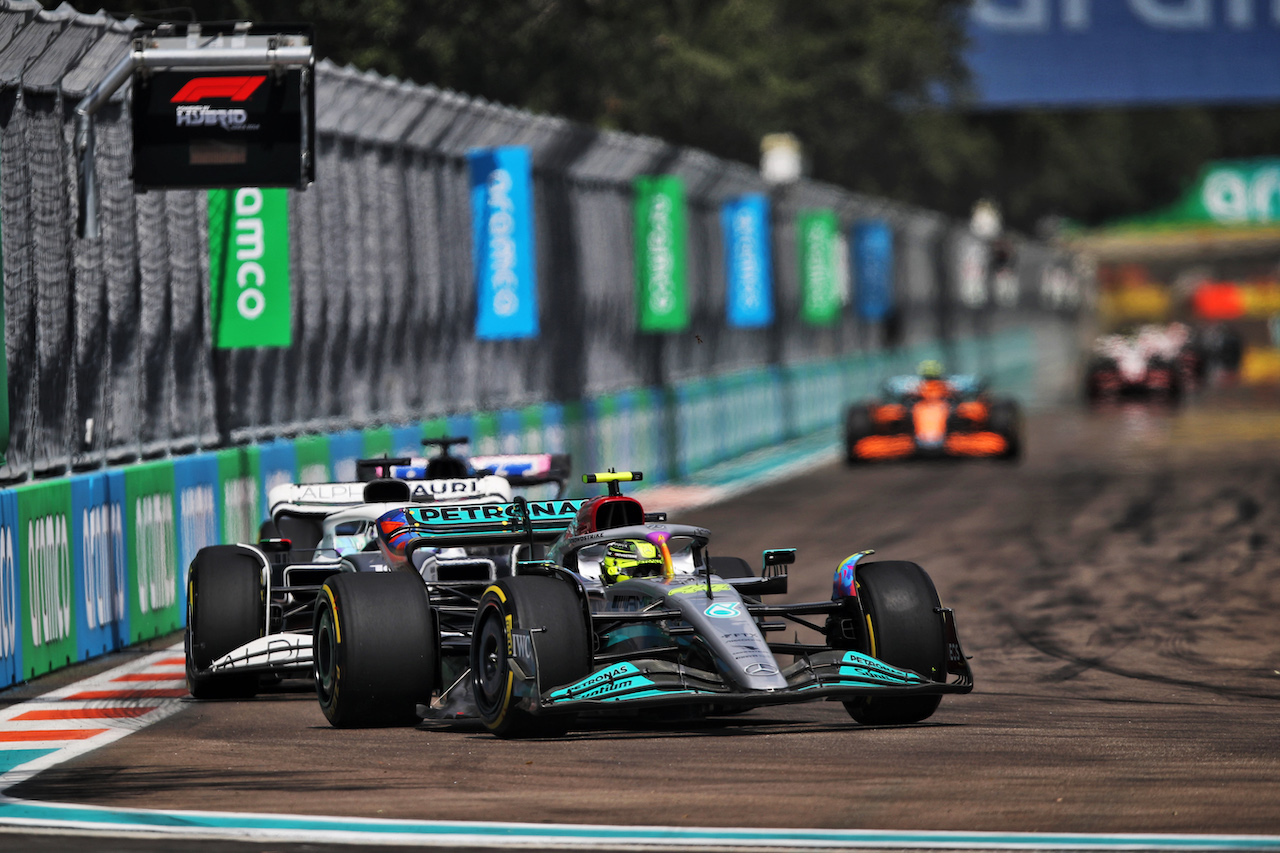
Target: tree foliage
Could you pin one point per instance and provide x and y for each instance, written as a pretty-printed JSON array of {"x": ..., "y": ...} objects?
[{"x": 864, "y": 84}]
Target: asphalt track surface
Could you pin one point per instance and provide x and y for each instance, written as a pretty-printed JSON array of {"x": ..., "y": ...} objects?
[{"x": 1117, "y": 592}]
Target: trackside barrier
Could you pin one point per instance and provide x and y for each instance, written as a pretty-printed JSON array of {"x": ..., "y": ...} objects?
[{"x": 95, "y": 562}]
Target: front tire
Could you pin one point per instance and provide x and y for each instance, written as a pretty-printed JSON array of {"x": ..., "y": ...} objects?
[
  {"x": 225, "y": 610},
  {"x": 904, "y": 629},
  {"x": 561, "y": 640},
  {"x": 375, "y": 647}
]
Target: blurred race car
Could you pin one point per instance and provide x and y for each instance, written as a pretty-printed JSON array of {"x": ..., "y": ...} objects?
[
  {"x": 603, "y": 609},
  {"x": 933, "y": 415},
  {"x": 249, "y": 606},
  {"x": 1156, "y": 362},
  {"x": 296, "y": 510}
]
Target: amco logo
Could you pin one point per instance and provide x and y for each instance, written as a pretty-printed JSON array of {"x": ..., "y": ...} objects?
[
  {"x": 8, "y": 595},
  {"x": 50, "y": 576},
  {"x": 251, "y": 278},
  {"x": 153, "y": 535},
  {"x": 104, "y": 564},
  {"x": 502, "y": 245},
  {"x": 819, "y": 249},
  {"x": 661, "y": 255},
  {"x": 746, "y": 258}
]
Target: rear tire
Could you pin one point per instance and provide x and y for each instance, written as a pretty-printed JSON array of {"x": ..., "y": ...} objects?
[
  {"x": 905, "y": 630},
  {"x": 561, "y": 639},
  {"x": 375, "y": 647},
  {"x": 1006, "y": 420},
  {"x": 224, "y": 611},
  {"x": 857, "y": 426}
]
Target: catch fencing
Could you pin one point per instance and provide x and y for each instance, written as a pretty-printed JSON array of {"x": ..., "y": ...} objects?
[{"x": 108, "y": 340}]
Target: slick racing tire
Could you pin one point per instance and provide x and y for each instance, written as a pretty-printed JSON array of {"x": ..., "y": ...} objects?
[
  {"x": 224, "y": 611},
  {"x": 857, "y": 426},
  {"x": 374, "y": 648},
  {"x": 904, "y": 629},
  {"x": 1006, "y": 419},
  {"x": 551, "y": 611}
]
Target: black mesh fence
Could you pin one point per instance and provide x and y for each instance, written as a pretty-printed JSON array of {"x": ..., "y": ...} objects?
[{"x": 108, "y": 342}]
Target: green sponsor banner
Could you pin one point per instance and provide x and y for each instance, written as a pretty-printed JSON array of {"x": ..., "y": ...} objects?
[
  {"x": 661, "y": 271},
  {"x": 249, "y": 267},
  {"x": 239, "y": 494},
  {"x": 435, "y": 428},
  {"x": 819, "y": 270},
  {"x": 531, "y": 439},
  {"x": 47, "y": 577},
  {"x": 152, "y": 557},
  {"x": 313, "y": 458},
  {"x": 377, "y": 442},
  {"x": 485, "y": 434}
]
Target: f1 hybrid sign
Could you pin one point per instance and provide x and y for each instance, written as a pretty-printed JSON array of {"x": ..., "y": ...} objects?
[{"x": 223, "y": 125}]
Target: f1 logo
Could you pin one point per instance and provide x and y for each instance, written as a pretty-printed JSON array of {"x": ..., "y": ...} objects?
[{"x": 202, "y": 88}]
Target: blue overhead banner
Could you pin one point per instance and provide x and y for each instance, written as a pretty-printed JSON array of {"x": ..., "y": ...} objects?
[
  {"x": 1080, "y": 53},
  {"x": 873, "y": 269},
  {"x": 502, "y": 243},
  {"x": 748, "y": 270}
]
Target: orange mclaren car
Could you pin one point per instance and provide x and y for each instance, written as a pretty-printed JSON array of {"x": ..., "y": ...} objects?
[{"x": 933, "y": 416}]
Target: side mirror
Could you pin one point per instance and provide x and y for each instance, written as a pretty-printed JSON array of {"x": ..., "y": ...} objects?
[{"x": 775, "y": 559}]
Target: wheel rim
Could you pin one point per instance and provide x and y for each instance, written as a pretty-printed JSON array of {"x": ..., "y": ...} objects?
[
  {"x": 489, "y": 664},
  {"x": 326, "y": 654}
]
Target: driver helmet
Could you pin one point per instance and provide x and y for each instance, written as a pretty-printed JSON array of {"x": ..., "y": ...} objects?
[
  {"x": 930, "y": 369},
  {"x": 630, "y": 558}
]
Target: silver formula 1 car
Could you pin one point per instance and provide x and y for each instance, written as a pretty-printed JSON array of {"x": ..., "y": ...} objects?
[
  {"x": 249, "y": 606},
  {"x": 594, "y": 607}
]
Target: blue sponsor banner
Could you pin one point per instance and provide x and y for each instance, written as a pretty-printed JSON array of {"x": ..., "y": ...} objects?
[
  {"x": 464, "y": 425},
  {"x": 100, "y": 562},
  {"x": 344, "y": 449},
  {"x": 502, "y": 243},
  {"x": 553, "y": 433},
  {"x": 406, "y": 440},
  {"x": 278, "y": 463},
  {"x": 195, "y": 488},
  {"x": 873, "y": 269},
  {"x": 748, "y": 261},
  {"x": 1090, "y": 52},
  {"x": 511, "y": 432},
  {"x": 11, "y": 609}
]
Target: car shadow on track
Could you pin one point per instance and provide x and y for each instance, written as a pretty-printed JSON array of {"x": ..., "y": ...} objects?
[{"x": 622, "y": 730}]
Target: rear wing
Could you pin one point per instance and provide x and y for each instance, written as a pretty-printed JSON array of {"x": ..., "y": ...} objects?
[
  {"x": 518, "y": 469},
  {"x": 466, "y": 525},
  {"x": 527, "y": 469}
]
